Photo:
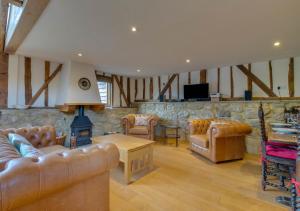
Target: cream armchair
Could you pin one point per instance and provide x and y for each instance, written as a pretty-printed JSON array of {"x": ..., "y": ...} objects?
[{"x": 140, "y": 125}]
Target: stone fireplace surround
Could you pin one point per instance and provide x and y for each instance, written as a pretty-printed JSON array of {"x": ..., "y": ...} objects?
[{"x": 110, "y": 119}]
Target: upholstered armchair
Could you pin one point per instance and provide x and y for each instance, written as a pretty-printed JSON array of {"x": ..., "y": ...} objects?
[
  {"x": 218, "y": 140},
  {"x": 140, "y": 125}
]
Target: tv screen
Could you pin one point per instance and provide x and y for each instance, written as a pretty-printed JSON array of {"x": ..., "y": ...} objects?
[{"x": 196, "y": 91}]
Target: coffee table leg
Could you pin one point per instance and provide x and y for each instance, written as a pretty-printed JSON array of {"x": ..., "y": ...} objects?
[
  {"x": 150, "y": 158},
  {"x": 176, "y": 137},
  {"x": 127, "y": 171}
]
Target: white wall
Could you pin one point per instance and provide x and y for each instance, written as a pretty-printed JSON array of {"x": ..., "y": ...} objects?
[
  {"x": 64, "y": 87},
  {"x": 260, "y": 69},
  {"x": 16, "y": 84},
  {"x": 71, "y": 92}
]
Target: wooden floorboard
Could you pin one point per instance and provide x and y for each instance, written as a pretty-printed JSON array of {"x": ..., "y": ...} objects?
[{"x": 183, "y": 180}]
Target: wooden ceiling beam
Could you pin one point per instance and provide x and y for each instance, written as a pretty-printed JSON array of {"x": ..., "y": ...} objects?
[
  {"x": 163, "y": 91},
  {"x": 31, "y": 13},
  {"x": 291, "y": 79},
  {"x": 3, "y": 21},
  {"x": 257, "y": 81}
]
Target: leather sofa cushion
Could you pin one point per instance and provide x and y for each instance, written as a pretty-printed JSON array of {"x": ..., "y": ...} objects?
[
  {"x": 53, "y": 149},
  {"x": 200, "y": 140},
  {"x": 138, "y": 130},
  {"x": 38, "y": 136},
  {"x": 7, "y": 152}
]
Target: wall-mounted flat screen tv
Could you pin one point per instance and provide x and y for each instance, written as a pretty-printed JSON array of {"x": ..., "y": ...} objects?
[{"x": 196, "y": 91}]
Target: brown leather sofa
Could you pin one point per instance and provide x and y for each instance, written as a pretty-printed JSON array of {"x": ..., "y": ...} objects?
[
  {"x": 144, "y": 131},
  {"x": 218, "y": 140},
  {"x": 59, "y": 180}
]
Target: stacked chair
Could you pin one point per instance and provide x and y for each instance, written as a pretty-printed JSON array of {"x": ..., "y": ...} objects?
[{"x": 278, "y": 160}]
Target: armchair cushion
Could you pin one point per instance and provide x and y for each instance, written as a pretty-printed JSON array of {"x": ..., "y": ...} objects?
[
  {"x": 141, "y": 120},
  {"x": 200, "y": 140},
  {"x": 281, "y": 152},
  {"x": 139, "y": 130}
]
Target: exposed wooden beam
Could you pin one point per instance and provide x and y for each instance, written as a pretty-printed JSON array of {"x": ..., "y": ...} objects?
[
  {"x": 3, "y": 79},
  {"x": 121, "y": 84},
  {"x": 178, "y": 88},
  {"x": 189, "y": 78},
  {"x": 170, "y": 89},
  {"x": 31, "y": 13},
  {"x": 151, "y": 88},
  {"x": 291, "y": 78},
  {"x": 135, "y": 89},
  {"x": 159, "y": 84},
  {"x": 144, "y": 88},
  {"x": 218, "y": 85},
  {"x": 163, "y": 91},
  {"x": 231, "y": 83},
  {"x": 271, "y": 75},
  {"x": 112, "y": 91},
  {"x": 257, "y": 81},
  {"x": 3, "y": 21},
  {"x": 43, "y": 87},
  {"x": 128, "y": 89},
  {"x": 47, "y": 74},
  {"x": 249, "y": 79},
  {"x": 27, "y": 80},
  {"x": 122, "y": 93},
  {"x": 203, "y": 76}
]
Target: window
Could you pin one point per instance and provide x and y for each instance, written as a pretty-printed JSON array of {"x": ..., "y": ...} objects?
[
  {"x": 104, "y": 86},
  {"x": 13, "y": 17}
]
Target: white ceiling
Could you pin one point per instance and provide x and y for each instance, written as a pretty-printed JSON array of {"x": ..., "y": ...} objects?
[{"x": 211, "y": 33}]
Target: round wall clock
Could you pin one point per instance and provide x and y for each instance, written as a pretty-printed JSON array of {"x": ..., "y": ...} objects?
[{"x": 84, "y": 83}]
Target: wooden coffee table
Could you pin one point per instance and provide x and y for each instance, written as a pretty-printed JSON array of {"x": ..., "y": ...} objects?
[{"x": 135, "y": 153}]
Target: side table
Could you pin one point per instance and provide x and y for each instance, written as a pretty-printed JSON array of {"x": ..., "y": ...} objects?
[{"x": 175, "y": 135}]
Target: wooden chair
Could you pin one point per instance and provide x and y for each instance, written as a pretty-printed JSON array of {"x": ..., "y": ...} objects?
[{"x": 277, "y": 160}]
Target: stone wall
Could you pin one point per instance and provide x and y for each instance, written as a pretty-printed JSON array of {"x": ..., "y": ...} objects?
[
  {"x": 239, "y": 110},
  {"x": 104, "y": 121}
]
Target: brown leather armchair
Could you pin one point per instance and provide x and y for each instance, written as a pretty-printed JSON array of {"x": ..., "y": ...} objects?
[
  {"x": 146, "y": 131},
  {"x": 218, "y": 140}
]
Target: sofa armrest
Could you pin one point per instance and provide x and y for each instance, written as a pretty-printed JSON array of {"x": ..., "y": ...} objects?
[
  {"x": 229, "y": 130},
  {"x": 128, "y": 122},
  {"x": 152, "y": 121},
  {"x": 26, "y": 180}
]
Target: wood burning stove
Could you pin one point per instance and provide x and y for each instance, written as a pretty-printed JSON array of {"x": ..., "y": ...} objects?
[{"x": 81, "y": 128}]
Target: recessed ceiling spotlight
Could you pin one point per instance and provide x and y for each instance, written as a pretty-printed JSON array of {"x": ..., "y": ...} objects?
[
  {"x": 138, "y": 70},
  {"x": 79, "y": 54},
  {"x": 276, "y": 44},
  {"x": 133, "y": 29},
  {"x": 187, "y": 61}
]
